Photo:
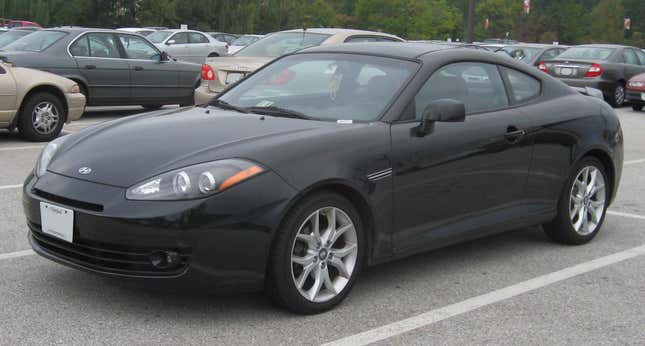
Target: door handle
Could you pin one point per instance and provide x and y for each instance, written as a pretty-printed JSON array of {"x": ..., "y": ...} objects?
[
  {"x": 90, "y": 67},
  {"x": 513, "y": 134},
  {"x": 138, "y": 68}
]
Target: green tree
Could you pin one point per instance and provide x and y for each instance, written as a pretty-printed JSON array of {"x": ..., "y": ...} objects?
[{"x": 606, "y": 22}]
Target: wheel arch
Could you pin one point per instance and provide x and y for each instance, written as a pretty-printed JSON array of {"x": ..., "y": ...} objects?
[
  {"x": 48, "y": 89},
  {"x": 348, "y": 191},
  {"x": 604, "y": 157}
]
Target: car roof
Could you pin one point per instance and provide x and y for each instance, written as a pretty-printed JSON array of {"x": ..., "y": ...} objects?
[
  {"x": 602, "y": 46},
  {"x": 79, "y": 29},
  {"x": 402, "y": 50},
  {"x": 336, "y": 31}
]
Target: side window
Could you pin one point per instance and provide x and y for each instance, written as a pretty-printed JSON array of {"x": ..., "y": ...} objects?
[
  {"x": 629, "y": 57},
  {"x": 523, "y": 86},
  {"x": 641, "y": 56},
  {"x": 550, "y": 54},
  {"x": 386, "y": 39},
  {"x": 137, "y": 48},
  {"x": 81, "y": 47},
  {"x": 357, "y": 39},
  {"x": 180, "y": 38},
  {"x": 196, "y": 37},
  {"x": 102, "y": 45},
  {"x": 478, "y": 85}
]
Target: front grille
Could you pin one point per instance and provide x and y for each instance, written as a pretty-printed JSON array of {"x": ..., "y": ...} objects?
[
  {"x": 68, "y": 202},
  {"x": 108, "y": 258}
]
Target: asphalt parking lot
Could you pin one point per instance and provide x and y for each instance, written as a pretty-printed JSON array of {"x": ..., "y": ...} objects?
[{"x": 509, "y": 289}]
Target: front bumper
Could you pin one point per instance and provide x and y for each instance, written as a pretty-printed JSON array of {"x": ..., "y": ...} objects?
[
  {"x": 204, "y": 95},
  {"x": 225, "y": 237},
  {"x": 75, "y": 106},
  {"x": 635, "y": 96}
]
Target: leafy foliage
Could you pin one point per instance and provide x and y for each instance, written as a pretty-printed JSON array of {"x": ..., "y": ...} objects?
[{"x": 567, "y": 21}]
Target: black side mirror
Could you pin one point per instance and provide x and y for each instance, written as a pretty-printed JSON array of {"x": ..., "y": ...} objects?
[
  {"x": 444, "y": 110},
  {"x": 163, "y": 57}
]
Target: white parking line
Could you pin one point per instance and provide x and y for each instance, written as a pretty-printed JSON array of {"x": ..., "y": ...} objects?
[
  {"x": 633, "y": 216},
  {"x": 434, "y": 316},
  {"x": 22, "y": 253},
  {"x": 28, "y": 147},
  {"x": 633, "y": 162},
  {"x": 7, "y": 187}
]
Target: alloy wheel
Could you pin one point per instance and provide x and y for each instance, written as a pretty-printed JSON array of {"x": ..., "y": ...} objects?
[
  {"x": 587, "y": 200},
  {"x": 45, "y": 118},
  {"x": 324, "y": 254},
  {"x": 619, "y": 95}
]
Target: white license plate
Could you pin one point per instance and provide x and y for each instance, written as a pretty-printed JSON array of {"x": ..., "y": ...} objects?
[
  {"x": 643, "y": 96},
  {"x": 233, "y": 77},
  {"x": 57, "y": 221},
  {"x": 566, "y": 71}
]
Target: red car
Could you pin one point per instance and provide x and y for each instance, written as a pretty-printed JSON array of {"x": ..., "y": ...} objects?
[
  {"x": 636, "y": 91},
  {"x": 21, "y": 23}
]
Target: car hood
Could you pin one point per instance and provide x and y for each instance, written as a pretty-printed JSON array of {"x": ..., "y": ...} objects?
[{"x": 126, "y": 151}]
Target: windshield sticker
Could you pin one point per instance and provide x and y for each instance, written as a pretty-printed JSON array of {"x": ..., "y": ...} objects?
[{"x": 264, "y": 104}]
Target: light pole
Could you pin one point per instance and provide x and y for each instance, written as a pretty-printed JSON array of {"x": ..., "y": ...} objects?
[{"x": 469, "y": 21}]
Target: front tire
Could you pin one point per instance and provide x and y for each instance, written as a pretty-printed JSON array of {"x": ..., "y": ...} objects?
[
  {"x": 583, "y": 204},
  {"x": 317, "y": 254},
  {"x": 42, "y": 117}
]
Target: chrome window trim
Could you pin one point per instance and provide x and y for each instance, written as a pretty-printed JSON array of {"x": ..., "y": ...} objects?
[{"x": 105, "y": 32}]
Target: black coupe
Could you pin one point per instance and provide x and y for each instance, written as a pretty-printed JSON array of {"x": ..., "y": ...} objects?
[{"x": 324, "y": 162}]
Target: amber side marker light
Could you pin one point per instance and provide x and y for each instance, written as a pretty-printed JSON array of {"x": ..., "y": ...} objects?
[{"x": 240, "y": 177}]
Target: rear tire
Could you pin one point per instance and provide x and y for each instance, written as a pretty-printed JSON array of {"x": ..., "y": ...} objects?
[
  {"x": 617, "y": 97},
  {"x": 42, "y": 117},
  {"x": 637, "y": 108},
  {"x": 578, "y": 223},
  {"x": 300, "y": 262}
]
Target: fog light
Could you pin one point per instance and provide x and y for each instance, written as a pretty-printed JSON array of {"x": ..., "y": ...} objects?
[{"x": 164, "y": 259}]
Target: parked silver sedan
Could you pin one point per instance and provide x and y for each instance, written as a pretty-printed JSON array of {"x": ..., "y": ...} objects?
[{"x": 188, "y": 45}]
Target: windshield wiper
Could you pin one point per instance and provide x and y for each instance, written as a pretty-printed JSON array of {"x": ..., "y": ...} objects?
[
  {"x": 279, "y": 112},
  {"x": 226, "y": 105}
]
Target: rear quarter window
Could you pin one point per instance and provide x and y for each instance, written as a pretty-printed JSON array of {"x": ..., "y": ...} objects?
[{"x": 523, "y": 86}]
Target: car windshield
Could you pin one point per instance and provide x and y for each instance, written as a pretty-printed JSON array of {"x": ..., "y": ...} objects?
[
  {"x": 282, "y": 43},
  {"x": 12, "y": 36},
  {"x": 523, "y": 54},
  {"x": 587, "y": 53},
  {"x": 329, "y": 87},
  {"x": 37, "y": 41},
  {"x": 244, "y": 41},
  {"x": 159, "y": 36}
]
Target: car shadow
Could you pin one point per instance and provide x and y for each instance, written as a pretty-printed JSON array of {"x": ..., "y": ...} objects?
[{"x": 172, "y": 296}]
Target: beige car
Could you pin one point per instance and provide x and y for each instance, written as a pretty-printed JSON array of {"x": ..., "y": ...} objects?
[
  {"x": 218, "y": 73},
  {"x": 37, "y": 103}
]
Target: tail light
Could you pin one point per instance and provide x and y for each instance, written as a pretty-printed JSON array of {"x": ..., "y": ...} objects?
[
  {"x": 542, "y": 67},
  {"x": 207, "y": 72},
  {"x": 594, "y": 71}
]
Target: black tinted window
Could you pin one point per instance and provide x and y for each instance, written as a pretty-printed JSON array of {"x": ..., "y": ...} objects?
[
  {"x": 523, "y": 86},
  {"x": 478, "y": 85},
  {"x": 629, "y": 57}
]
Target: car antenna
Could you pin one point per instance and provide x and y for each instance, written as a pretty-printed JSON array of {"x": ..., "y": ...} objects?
[{"x": 304, "y": 30}]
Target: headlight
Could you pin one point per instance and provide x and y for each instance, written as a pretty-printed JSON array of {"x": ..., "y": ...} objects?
[
  {"x": 47, "y": 155},
  {"x": 196, "y": 181},
  {"x": 636, "y": 84}
]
